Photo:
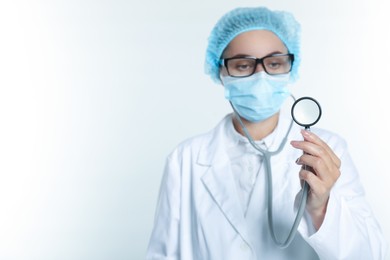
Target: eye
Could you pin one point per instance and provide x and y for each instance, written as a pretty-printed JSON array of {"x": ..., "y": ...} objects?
[
  {"x": 241, "y": 64},
  {"x": 276, "y": 63},
  {"x": 273, "y": 63}
]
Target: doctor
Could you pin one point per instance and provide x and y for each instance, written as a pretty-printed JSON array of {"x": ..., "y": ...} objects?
[{"x": 212, "y": 201}]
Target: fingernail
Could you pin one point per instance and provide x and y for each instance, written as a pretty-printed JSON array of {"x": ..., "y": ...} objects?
[{"x": 297, "y": 160}]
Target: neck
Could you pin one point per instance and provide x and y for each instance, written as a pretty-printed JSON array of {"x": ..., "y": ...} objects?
[{"x": 259, "y": 130}]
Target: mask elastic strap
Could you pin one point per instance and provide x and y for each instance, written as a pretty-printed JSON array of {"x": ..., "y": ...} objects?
[{"x": 267, "y": 156}]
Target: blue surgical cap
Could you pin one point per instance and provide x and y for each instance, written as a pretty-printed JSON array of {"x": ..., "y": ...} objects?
[{"x": 242, "y": 20}]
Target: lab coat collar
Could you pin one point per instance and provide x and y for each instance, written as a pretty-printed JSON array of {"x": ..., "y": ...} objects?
[{"x": 214, "y": 146}]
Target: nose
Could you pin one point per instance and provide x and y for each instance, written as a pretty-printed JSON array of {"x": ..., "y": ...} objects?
[{"x": 259, "y": 67}]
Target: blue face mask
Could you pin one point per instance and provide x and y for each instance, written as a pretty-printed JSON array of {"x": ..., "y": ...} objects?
[{"x": 257, "y": 97}]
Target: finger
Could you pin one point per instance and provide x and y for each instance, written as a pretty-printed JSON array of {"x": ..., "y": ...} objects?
[
  {"x": 314, "y": 182},
  {"x": 319, "y": 149},
  {"x": 319, "y": 189},
  {"x": 315, "y": 155},
  {"x": 327, "y": 172},
  {"x": 319, "y": 166},
  {"x": 313, "y": 138}
]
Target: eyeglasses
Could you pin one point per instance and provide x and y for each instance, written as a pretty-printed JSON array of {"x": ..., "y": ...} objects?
[{"x": 274, "y": 64}]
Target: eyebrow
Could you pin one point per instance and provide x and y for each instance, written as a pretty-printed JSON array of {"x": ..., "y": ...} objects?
[{"x": 246, "y": 55}]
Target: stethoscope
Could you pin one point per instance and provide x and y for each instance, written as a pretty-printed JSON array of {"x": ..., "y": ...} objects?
[{"x": 306, "y": 112}]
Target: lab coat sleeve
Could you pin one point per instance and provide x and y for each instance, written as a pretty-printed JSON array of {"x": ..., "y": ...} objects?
[
  {"x": 349, "y": 230},
  {"x": 164, "y": 241}
]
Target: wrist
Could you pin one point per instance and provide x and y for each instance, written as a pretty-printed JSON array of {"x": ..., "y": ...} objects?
[{"x": 318, "y": 215}]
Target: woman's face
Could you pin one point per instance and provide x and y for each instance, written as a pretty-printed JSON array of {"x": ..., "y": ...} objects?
[{"x": 258, "y": 43}]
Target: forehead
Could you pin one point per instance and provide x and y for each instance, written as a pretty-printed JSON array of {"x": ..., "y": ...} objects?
[{"x": 257, "y": 43}]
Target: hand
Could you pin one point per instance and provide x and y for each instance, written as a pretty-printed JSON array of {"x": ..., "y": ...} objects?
[{"x": 321, "y": 173}]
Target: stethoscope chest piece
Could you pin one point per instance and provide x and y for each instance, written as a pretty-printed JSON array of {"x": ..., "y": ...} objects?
[{"x": 306, "y": 112}]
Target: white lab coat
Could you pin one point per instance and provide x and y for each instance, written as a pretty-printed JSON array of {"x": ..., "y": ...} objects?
[{"x": 199, "y": 215}]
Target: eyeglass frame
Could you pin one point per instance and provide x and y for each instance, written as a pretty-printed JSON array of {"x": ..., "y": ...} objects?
[{"x": 224, "y": 62}]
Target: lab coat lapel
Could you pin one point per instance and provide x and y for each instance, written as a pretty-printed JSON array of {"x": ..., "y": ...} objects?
[{"x": 219, "y": 181}]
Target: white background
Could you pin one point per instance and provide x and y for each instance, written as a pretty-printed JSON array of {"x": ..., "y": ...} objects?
[{"x": 95, "y": 94}]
